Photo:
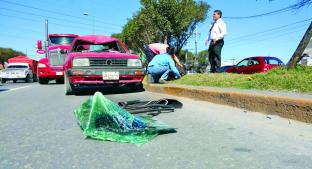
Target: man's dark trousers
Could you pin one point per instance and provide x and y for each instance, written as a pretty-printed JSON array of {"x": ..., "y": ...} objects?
[{"x": 215, "y": 55}]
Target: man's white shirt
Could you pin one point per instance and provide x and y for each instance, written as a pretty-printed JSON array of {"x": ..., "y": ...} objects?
[{"x": 218, "y": 31}]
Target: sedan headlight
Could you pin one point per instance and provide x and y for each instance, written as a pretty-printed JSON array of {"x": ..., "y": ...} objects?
[
  {"x": 134, "y": 63},
  {"x": 81, "y": 62}
]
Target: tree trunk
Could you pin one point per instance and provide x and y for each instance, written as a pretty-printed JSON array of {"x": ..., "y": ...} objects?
[
  {"x": 165, "y": 39},
  {"x": 301, "y": 47}
]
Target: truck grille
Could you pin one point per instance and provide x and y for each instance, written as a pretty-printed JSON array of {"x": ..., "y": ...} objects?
[{"x": 100, "y": 62}]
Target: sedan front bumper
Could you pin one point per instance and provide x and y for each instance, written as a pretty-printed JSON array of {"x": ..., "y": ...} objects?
[{"x": 88, "y": 76}]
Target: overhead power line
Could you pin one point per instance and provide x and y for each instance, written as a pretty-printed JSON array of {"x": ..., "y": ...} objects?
[
  {"x": 298, "y": 5},
  {"x": 58, "y": 13},
  {"x": 269, "y": 30},
  {"x": 266, "y": 39},
  {"x": 82, "y": 27},
  {"x": 49, "y": 17}
]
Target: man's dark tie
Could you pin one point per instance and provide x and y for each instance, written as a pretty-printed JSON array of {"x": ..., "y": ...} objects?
[{"x": 212, "y": 26}]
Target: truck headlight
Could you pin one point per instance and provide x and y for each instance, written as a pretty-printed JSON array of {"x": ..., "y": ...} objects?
[
  {"x": 41, "y": 65},
  {"x": 134, "y": 63},
  {"x": 81, "y": 62}
]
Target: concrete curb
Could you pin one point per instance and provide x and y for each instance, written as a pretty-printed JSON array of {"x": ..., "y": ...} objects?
[{"x": 287, "y": 107}]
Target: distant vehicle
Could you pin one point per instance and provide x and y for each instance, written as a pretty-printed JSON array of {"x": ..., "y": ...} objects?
[
  {"x": 17, "y": 71},
  {"x": 51, "y": 67},
  {"x": 20, "y": 68},
  {"x": 97, "y": 60},
  {"x": 255, "y": 65}
]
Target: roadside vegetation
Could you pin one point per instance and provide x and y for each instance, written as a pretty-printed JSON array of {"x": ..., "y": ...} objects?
[
  {"x": 298, "y": 79},
  {"x": 7, "y": 53}
]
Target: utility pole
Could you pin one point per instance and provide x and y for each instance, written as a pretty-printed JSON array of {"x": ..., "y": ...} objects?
[
  {"x": 195, "y": 41},
  {"x": 46, "y": 34},
  {"x": 301, "y": 47},
  {"x": 195, "y": 37}
]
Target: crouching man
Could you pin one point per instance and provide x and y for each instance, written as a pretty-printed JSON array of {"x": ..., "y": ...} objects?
[{"x": 161, "y": 66}]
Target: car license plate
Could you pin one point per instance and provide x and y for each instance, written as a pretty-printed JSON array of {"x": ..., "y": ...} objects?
[
  {"x": 110, "y": 75},
  {"x": 59, "y": 73}
]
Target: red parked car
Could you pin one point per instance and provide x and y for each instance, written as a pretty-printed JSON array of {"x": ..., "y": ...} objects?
[{"x": 259, "y": 64}]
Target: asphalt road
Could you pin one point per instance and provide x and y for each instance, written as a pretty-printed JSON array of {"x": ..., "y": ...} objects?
[{"x": 38, "y": 130}]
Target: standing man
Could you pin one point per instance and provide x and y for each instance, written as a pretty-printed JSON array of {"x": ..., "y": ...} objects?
[{"x": 216, "y": 37}]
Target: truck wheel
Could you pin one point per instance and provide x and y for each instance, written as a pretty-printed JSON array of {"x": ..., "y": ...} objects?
[
  {"x": 35, "y": 79},
  {"x": 43, "y": 81},
  {"x": 27, "y": 80},
  {"x": 59, "y": 81},
  {"x": 14, "y": 81},
  {"x": 69, "y": 88},
  {"x": 3, "y": 80}
]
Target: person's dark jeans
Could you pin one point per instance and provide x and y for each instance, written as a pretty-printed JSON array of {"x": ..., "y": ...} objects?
[
  {"x": 215, "y": 55},
  {"x": 157, "y": 72}
]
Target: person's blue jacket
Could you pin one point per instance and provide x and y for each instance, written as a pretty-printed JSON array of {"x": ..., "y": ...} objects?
[{"x": 165, "y": 60}]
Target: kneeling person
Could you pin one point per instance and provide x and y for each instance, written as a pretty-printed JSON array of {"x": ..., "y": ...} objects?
[{"x": 160, "y": 67}]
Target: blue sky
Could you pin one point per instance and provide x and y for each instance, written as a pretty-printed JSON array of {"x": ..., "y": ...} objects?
[{"x": 22, "y": 26}]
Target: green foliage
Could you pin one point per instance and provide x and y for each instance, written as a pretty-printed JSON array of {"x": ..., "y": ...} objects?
[
  {"x": 182, "y": 56},
  {"x": 7, "y": 53},
  {"x": 298, "y": 79},
  {"x": 202, "y": 57},
  {"x": 173, "y": 21}
]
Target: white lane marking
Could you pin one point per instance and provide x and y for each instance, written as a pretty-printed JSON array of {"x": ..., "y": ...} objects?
[{"x": 18, "y": 88}]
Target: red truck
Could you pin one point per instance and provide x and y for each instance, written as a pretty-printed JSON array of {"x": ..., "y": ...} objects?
[
  {"x": 51, "y": 67},
  {"x": 20, "y": 68},
  {"x": 97, "y": 60}
]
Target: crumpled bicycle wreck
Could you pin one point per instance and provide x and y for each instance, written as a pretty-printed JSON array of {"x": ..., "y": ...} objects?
[{"x": 102, "y": 119}]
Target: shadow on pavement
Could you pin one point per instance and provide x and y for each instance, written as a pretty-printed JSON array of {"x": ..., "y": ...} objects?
[
  {"x": 107, "y": 91},
  {"x": 2, "y": 90}
]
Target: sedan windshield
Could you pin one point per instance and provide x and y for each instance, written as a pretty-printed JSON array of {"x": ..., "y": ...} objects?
[
  {"x": 114, "y": 46},
  {"x": 17, "y": 67},
  {"x": 61, "y": 40}
]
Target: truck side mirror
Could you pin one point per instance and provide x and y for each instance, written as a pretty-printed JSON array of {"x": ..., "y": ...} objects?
[{"x": 39, "y": 45}]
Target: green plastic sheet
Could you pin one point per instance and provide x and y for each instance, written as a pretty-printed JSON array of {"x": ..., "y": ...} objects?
[{"x": 102, "y": 119}]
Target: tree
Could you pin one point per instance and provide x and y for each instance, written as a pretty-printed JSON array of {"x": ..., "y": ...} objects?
[
  {"x": 168, "y": 21},
  {"x": 7, "y": 53},
  {"x": 202, "y": 57}
]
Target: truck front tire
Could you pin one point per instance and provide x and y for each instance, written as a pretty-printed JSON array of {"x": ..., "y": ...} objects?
[
  {"x": 43, "y": 81},
  {"x": 27, "y": 80},
  {"x": 69, "y": 88},
  {"x": 3, "y": 80},
  {"x": 35, "y": 78}
]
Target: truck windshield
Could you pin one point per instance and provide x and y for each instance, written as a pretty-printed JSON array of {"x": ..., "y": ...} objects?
[
  {"x": 17, "y": 67},
  {"x": 81, "y": 46},
  {"x": 61, "y": 40},
  {"x": 56, "y": 58}
]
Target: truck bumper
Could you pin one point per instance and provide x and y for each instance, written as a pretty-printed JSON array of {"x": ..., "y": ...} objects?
[
  {"x": 15, "y": 78},
  {"x": 48, "y": 74},
  {"x": 94, "y": 77}
]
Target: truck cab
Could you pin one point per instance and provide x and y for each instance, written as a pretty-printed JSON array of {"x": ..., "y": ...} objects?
[
  {"x": 97, "y": 60},
  {"x": 51, "y": 67}
]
